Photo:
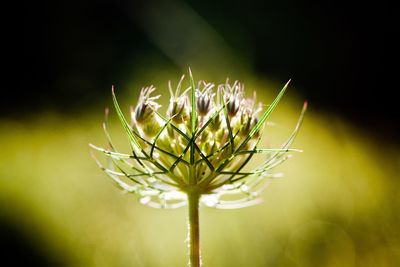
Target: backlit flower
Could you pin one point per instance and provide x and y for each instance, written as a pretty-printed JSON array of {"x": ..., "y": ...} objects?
[{"x": 204, "y": 142}]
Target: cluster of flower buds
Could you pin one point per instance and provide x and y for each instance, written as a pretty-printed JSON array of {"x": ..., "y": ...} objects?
[{"x": 203, "y": 143}]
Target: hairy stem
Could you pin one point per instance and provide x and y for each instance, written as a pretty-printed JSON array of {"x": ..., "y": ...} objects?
[{"x": 194, "y": 229}]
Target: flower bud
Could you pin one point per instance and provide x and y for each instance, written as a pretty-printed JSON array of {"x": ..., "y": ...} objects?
[
  {"x": 216, "y": 122},
  {"x": 144, "y": 113},
  {"x": 178, "y": 109},
  {"x": 233, "y": 97},
  {"x": 249, "y": 116},
  {"x": 204, "y": 99}
]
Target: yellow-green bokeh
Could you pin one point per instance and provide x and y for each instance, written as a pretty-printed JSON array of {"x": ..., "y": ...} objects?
[{"x": 337, "y": 204}]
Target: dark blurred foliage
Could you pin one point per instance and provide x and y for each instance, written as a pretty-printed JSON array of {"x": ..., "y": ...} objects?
[
  {"x": 64, "y": 55},
  {"x": 17, "y": 248}
]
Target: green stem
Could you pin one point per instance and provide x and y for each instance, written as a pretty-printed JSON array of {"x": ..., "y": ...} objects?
[{"x": 194, "y": 229}]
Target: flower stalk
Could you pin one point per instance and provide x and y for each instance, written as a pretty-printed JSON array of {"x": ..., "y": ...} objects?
[{"x": 194, "y": 229}]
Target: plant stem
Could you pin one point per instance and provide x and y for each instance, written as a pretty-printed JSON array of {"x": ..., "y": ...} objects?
[{"x": 194, "y": 229}]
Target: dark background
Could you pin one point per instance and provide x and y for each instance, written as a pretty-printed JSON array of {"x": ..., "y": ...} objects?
[
  {"x": 340, "y": 54},
  {"x": 62, "y": 56}
]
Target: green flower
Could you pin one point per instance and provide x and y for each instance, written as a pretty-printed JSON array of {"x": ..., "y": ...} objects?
[{"x": 202, "y": 145}]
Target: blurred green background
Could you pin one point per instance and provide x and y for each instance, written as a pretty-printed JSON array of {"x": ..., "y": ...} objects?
[{"x": 338, "y": 203}]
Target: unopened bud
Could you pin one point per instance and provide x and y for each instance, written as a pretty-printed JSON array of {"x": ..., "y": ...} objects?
[
  {"x": 178, "y": 109},
  {"x": 144, "y": 113},
  {"x": 233, "y": 98},
  {"x": 204, "y": 99}
]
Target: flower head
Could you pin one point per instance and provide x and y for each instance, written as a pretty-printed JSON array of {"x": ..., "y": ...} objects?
[{"x": 202, "y": 144}]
